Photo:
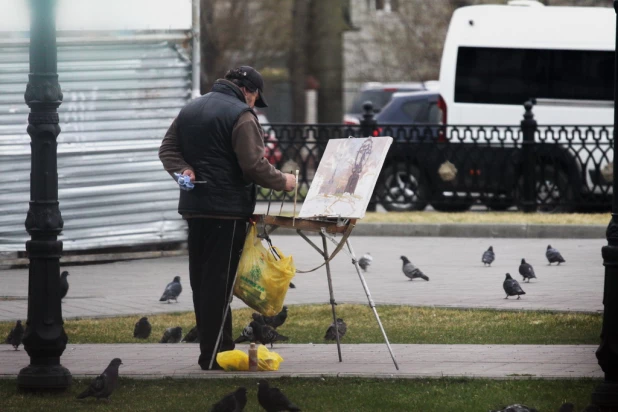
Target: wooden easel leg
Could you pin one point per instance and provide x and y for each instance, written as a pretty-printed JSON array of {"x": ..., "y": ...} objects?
[
  {"x": 370, "y": 299},
  {"x": 332, "y": 295}
]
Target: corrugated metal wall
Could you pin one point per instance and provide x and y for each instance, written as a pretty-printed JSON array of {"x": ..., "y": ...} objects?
[{"x": 119, "y": 100}]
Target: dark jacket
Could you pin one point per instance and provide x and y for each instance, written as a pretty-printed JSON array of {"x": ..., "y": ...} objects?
[{"x": 204, "y": 128}]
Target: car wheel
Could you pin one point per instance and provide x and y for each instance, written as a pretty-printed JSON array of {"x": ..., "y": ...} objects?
[
  {"x": 553, "y": 192},
  {"x": 403, "y": 189}
]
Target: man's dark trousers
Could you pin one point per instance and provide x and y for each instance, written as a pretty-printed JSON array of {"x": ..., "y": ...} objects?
[{"x": 215, "y": 246}]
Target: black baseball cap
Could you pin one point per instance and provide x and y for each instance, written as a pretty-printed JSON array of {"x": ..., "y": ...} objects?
[{"x": 253, "y": 79}]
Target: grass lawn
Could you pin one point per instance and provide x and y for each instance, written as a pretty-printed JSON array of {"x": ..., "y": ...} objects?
[
  {"x": 403, "y": 324},
  {"x": 489, "y": 217},
  {"x": 331, "y": 394}
]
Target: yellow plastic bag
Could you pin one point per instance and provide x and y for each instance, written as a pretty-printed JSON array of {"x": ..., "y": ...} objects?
[
  {"x": 237, "y": 360},
  {"x": 233, "y": 360},
  {"x": 262, "y": 280}
]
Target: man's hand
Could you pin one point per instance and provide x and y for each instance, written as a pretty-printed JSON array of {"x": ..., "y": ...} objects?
[
  {"x": 290, "y": 182},
  {"x": 189, "y": 173}
]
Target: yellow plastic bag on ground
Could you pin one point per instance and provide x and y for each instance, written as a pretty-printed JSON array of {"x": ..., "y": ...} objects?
[
  {"x": 237, "y": 360},
  {"x": 262, "y": 280}
]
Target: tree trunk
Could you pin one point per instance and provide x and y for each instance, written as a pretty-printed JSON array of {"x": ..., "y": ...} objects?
[
  {"x": 298, "y": 59},
  {"x": 210, "y": 52},
  {"x": 326, "y": 58}
]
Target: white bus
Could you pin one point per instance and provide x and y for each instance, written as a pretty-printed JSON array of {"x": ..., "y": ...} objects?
[{"x": 496, "y": 57}]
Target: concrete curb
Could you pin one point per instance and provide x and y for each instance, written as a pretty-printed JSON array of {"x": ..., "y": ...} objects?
[{"x": 484, "y": 230}]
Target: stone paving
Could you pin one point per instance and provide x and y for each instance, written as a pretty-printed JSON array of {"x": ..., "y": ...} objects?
[
  {"x": 457, "y": 278},
  {"x": 147, "y": 361}
]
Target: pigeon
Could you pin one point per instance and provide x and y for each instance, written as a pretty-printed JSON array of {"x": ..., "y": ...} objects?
[
  {"x": 567, "y": 407},
  {"x": 193, "y": 336},
  {"x": 172, "y": 291},
  {"x": 172, "y": 335},
  {"x": 142, "y": 329},
  {"x": 365, "y": 261},
  {"x": 412, "y": 271},
  {"x": 104, "y": 384},
  {"x": 511, "y": 287},
  {"x": 553, "y": 255},
  {"x": 232, "y": 402},
  {"x": 64, "y": 284},
  {"x": 331, "y": 333},
  {"x": 266, "y": 334},
  {"x": 488, "y": 256},
  {"x": 292, "y": 286},
  {"x": 517, "y": 408},
  {"x": 15, "y": 335},
  {"x": 274, "y": 321},
  {"x": 246, "y": 335},
  {"x": 273, "y": 400},
  {"x": 525, "y": 269}
]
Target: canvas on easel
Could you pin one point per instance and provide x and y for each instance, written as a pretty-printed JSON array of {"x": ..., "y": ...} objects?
[{"x": 346, "y": 177}]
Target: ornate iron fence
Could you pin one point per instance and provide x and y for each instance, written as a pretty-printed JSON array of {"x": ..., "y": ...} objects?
[{"x": 451, "y": 168}]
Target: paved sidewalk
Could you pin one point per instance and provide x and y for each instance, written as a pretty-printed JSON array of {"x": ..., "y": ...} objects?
[
  {"x": 367, "y": 360},
  {"x": 457, "y": 278}
]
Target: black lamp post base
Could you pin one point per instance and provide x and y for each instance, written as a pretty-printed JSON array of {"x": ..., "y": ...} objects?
[
  {"x": 37, "y": 377},
  {"x": 605, "y": 396}
]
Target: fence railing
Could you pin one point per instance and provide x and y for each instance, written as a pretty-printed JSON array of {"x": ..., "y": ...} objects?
[{"x": 451, "y": 168}]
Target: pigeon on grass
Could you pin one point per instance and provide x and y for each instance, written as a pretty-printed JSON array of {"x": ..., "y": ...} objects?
[
  {"x": 15, "y": 335},
  {"x": 553, "y": 255},
  {"x": 411, "y": 271},
  {"x": 193, "y": 336},
  {"x": 488, "y": 256},
  {"x": 342, "y": 328},
  {"x": 511, "y": 287},
  {"x": 172, "y": 335},
  {"x": 365, "y": 261},
  {"x": 274, "y": 321},
  {"x": 266, "y": 334},
  {"x": 526, "y": 270},
  {"x": 246, "y": 335},
  {"x": 232, "y": 402},
  {"x": 64, "y": 284},
  {"x": 517, "y": 408},
  {"x": 104, "y": 384},
  {"x": 172, "y": 291},
  {"x": 273, "y": 400},
  {"x": 142, "y": 328}
]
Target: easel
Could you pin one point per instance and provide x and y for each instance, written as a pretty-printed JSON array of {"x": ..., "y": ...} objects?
[{"x": 327, "y": 229}]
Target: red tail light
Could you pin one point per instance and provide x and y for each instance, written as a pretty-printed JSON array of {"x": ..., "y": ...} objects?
[{"x": 377, "y": 132}]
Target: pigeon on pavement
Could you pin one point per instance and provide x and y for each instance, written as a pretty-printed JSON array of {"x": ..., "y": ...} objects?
[
  {"x": 511, "y": 287},
  {"x": 488, "y": 256},
  {"x": 193, "y": 336},
  {"x": 104, "y": 384},
  {"x": 64, "y": 284},
  {"x": 232, "y": 402},
  {"x": 331, "y": 333},
  {"x": 412, "y": 271},
  {"x": 172, "y": 291},
  {"x": 246, "y": 335},
  {"x": 266, "y": 334},
  {"x": 365, "y": 261},
  {"x": 273, "y": 400},
  {"x": 15, "y": 335},
  {"x": 274, "y": 321},
  {"x": 526, "y": 270},
  {"x": 172, "y": 335},
  {"x": 553, "y": 255},
  {"x": 517, "y": 408},
  {"x": 142, "y": 329}
]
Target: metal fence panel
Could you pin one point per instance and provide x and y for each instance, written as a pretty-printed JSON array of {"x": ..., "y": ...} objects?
[{"x": 119, "y": 100}]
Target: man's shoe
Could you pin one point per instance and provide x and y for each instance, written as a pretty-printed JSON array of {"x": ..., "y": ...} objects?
[{"x": 215, "y": 366}]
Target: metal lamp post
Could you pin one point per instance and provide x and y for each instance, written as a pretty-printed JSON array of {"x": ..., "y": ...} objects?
[
  {"x": 44, "y": 338},
  {"x": 606, "y": 394}
]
